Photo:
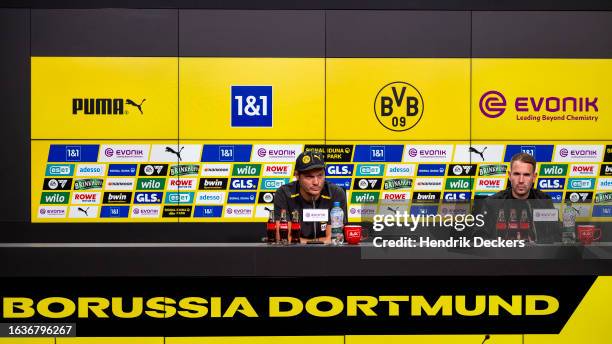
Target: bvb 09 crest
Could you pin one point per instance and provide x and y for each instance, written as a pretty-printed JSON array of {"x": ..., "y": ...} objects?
[{"x": 398, "y": 106}]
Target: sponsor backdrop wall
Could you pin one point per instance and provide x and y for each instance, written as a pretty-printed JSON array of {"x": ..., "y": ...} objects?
[
  {"x": 137, "y": 119},
  {"x": 208, "y": 134}
]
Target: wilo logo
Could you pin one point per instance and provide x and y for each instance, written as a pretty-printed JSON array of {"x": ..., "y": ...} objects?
[
  {"x": 151, "y": 184},
  {"x": 54, "y": 198},
  {"x": 459, "y": 183},
  {"x": 246, "y": 170},
  {"x": 358, "y": 197},
  {"x": 553, "y": 170}
]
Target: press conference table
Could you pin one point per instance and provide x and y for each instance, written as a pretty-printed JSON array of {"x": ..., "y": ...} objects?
[{"x": 260, "y": 259}]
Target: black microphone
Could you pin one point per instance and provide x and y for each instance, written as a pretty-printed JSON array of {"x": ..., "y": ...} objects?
[{"x": 485, "y": 339}]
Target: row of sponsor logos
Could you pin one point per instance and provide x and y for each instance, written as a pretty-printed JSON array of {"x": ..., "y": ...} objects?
[
  {"x": 151, "y": 211},
  {"x": 162, "y": 170},
  {"x": 404, "y": 197},
  {"x": 171, "y": 184},
  {"x": 152, "y": 197},
  {"x": 271, "y": 170},
  {"x": 355, "y": 212},
  {"x": 271, "y": 184},
  {"x": 367, "y": 212},
  {"x": 190, "y": 153},
  {"x": 239, "y": 197}
]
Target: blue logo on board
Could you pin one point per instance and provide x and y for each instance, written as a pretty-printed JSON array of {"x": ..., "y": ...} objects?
[{"x": 251, "y": 106}]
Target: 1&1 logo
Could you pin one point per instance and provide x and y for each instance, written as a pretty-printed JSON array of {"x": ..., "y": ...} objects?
[
  {"x": 251, "y": 106},
  {"x": 398, "y": 106}
]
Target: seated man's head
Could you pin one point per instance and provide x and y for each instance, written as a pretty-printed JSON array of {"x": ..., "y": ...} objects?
[
  {"x": 522, "y": 174},
  {"x": 310, "y": 173}
]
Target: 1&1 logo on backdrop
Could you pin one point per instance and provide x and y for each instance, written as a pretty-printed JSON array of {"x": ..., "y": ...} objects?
[
  {"x": 398, "y": 106},
  {"x": 251, "y": 106}
]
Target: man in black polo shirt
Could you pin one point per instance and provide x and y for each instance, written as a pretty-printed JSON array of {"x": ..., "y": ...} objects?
[
  {"x": 514, "y": 206},
  {"x": 310, "y": 192}
]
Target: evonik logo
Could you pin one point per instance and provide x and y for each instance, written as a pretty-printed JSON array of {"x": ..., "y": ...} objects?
[{"x": 493, "y": 104}]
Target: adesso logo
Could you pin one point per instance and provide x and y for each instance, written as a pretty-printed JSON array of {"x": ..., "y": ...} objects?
[{"x": 251, "y": 106}]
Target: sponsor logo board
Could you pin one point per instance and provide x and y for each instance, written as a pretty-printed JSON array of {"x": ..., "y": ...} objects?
[
  {"x": 121, "y": 153},
  {"x": 478, "y": 153},
  {"x": 215, "y": 170},
  {"x": 428, "y": 153}
]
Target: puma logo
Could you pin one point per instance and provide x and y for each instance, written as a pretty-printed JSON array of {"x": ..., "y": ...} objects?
[
  {"x": 481, "y": 153},
  {"x": 396, "y": 210},
  {"x": 178, "y": 154},
  {"x": 138, "y": 106},
  {"x": 84, "y": 211}
]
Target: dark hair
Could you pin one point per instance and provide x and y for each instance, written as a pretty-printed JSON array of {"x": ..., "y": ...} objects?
[{"x": 524, "y": 157}]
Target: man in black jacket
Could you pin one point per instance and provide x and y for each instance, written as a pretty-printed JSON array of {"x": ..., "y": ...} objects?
[
  {"x": 310, "y": 191},
  {"x": 509, "y": 213}
]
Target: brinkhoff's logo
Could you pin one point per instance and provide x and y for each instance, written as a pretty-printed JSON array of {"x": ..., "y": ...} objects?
[{"x": 104, "y": 106}]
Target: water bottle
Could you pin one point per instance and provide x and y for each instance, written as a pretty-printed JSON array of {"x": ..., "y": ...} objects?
[
  {"x": 568, "y": 233},
  {"x": 337, "y": 224}
]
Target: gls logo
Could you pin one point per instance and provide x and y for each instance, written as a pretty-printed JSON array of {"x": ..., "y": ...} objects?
[
  {"x": 251, "y": 106},
  {"x": 104, "y": 106},
  {"x": 398, "y": 106},
  {"x": 244, "y": 184},
  {"x": 551, "y": 183},
  {"x": 148, "y": 198},
  {"x": 339, "y": 170}
]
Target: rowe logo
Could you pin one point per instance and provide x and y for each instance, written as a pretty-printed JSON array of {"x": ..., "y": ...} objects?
[
  {"x": 104, "y": 106},
  {"x": 584, "y": 170}
]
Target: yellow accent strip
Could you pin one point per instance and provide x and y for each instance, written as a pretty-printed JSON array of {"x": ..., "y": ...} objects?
[
  {"x": 295, "y": 195},
  {"x": 326, "y": 197}
]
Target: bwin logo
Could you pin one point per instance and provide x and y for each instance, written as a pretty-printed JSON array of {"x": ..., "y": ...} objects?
[
  {"x": 178, "y": 154},
  {"x": 475, "y": 151},
  {"x": 103, "y": 106}
]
